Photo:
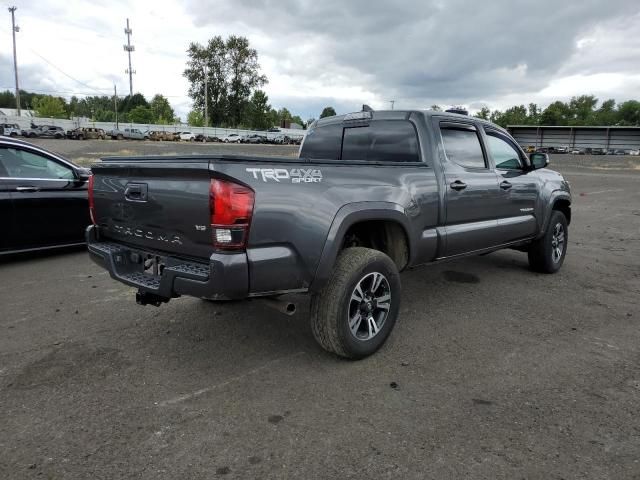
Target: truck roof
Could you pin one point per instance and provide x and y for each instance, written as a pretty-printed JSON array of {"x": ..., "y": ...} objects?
[{"x": 401, "y": 115}]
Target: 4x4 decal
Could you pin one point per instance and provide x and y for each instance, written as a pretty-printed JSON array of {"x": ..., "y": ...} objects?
[{"x": 294, "y": 175}]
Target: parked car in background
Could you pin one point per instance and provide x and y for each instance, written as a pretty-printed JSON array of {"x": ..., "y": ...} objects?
[
  {"x": 87, "y": 133},
  {"x": 598, "y": 151},
  {"x": 254, "y": 138},
  {"x": 160, "y": 135},
  {"x": 619, "y": 151},
  {"x": 188, "y": 136},
  {"x": 561, "y": 150},
  {"x": 577, "y": 151},
  {"x": 43, "y": 198},
  {"x": 128, "y": 134},
  {"x": 10, "y": 129},
  {"x": 44, "y": 131},
  {"x": 634, "y": 152},
  {"x": 232, "y": 138}
]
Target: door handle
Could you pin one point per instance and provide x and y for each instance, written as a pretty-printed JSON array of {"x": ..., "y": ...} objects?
[
  {"x": 458, "y": 185},
  {"x": 505, "y": 185},
  {"x": 29, "y": 188}
]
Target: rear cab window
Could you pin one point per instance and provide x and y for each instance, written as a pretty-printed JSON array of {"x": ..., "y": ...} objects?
[
  {"x": 376, "y": 141},
  {"x": 462, "y": 145}
]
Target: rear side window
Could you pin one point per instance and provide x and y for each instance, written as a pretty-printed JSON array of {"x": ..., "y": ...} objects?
[
  {"x": 462, "y": 146},
  {"x": 381, "y": 141},
  {"x": 323, "y": 143}
]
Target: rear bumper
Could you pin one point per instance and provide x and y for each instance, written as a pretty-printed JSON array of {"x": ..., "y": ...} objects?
[{"x": 225, "y": 276}]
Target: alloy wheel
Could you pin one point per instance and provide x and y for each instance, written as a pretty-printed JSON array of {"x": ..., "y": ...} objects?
[
  {"x": 557, "y": 242},
  {"x": 369, "y": 306}
]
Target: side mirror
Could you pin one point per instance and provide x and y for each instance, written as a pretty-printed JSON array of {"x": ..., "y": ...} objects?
[
  {"x": 83, "y": 174},
  {"x": 538, "y": 160}
]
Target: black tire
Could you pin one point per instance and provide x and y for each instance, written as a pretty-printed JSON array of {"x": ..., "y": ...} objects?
[
  {"x": 546, "y": 255},
  {"x": 120, "y": 136},
  {"x": 13, "y": 134},
  {"x": 80, "y": 137},
  {"x": 332, "y": 307}
]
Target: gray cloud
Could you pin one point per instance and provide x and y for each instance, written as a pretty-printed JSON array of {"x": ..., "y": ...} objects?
[
  {"x": 32, "y": 77},
  {"x": 425, "y": 51}
]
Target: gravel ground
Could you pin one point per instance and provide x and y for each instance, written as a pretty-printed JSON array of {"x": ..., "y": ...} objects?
[{"x": 492, "y": 371}]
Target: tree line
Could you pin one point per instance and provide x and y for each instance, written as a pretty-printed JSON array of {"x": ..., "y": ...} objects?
[
  {"x": 132, "y": 108},
  {"x": 583, "y": 110},
  {"x": 230, "y": 73}
]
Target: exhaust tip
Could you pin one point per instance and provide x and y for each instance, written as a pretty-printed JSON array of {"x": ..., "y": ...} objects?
[{"x": 290, "y": 309}]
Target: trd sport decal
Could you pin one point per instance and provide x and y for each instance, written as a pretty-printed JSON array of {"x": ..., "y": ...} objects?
[{"x": 295, "y": 175}]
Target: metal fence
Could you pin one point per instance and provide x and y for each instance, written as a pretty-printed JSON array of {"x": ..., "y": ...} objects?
[
  {"x": 623, "y": 138},
  {"x": 25, "y": 122}
]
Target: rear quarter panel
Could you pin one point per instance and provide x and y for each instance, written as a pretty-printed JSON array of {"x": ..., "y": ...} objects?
[{"x": 296, "y": 204}]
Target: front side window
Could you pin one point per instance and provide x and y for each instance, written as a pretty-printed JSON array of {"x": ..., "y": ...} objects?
[
  {"x": 23, "y": 164},
  {"x": 462, "y": 146},
  {"x": 381, "y": 141},
  {"x": 505, "y": 156}
]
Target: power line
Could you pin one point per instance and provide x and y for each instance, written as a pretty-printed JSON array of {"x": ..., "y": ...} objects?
[{"x": 63, "y": 72}]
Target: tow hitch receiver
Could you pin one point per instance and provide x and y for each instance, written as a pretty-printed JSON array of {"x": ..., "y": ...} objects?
[{"x": 146, "y": 298}]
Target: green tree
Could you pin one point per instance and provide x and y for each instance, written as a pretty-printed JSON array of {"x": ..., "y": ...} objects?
[
  {"x": 328, "y": 112},
  {"x": 258, "y": 111},
  {"x": 629, "y": 113},
  {"x": 244, "y": 75},
  {"x": 161, "y": 109},
  {"x": 298, "y": 120},
  {"x": 211, "y": 58},
  {"x": 484, "y": 113},
  {"x": 511, "y": 116},
  {"x": 582, "y": 109},
  {"x": 195, "y": 118},
  {"x": 533, "y": 114},
  {"x": 50, "y": 107},
  {"x": 232, "y": 72},
  {"x": 558, "y": 113},
  {"x": 606, "y": 114},
  {"x": 141, "y": 114},
  {"x": 7, "y": 99}
]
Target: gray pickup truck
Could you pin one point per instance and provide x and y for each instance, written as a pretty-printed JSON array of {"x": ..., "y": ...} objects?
[{"x": 371, "y": 194}]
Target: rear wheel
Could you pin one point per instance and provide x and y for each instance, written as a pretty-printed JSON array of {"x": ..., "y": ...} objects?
[
  {"x": 120, "y": 136},
  {"x": 546, "y": 255},
  {"x": 80, "y": 137},
  {"x": 353, "y": 315}
]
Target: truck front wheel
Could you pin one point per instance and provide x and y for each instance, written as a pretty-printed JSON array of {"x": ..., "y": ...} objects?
[
  {"x": 546, "y": 255},
  {"x": 354, "y": 313}
]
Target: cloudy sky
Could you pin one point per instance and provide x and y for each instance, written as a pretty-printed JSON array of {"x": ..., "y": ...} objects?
[{"x": 339, "y": 52}]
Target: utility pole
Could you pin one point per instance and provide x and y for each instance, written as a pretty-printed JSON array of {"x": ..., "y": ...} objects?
[
  {"x": 206, "y": 97},
  {"x": 15, "y": 29},
  {"x": 129, "y": 48},
  {"x": 392, "y": 102},
  {"x": 115, "y": 103}
]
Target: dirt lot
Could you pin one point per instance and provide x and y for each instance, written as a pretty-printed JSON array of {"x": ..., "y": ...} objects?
[
  {"x": 497, "y": 372},
  {"x": 85, "y": 152}
]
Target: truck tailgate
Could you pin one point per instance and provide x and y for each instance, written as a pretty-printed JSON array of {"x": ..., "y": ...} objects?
[{"x": 156, "y": 205}]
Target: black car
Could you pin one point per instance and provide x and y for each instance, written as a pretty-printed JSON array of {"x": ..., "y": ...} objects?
[{"x": 43, "y": 198}]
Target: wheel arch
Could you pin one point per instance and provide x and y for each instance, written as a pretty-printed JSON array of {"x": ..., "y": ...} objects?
[{"x": 366, "y": 215}]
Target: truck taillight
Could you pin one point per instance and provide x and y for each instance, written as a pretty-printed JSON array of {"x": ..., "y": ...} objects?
[
  {"x": 231, "y": 208},
  {"x": 92, "y": 206}
]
